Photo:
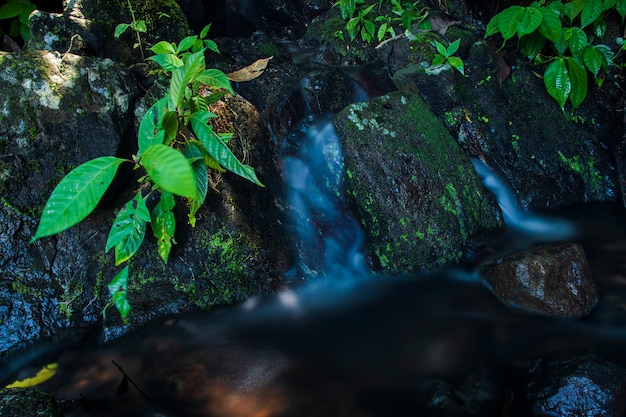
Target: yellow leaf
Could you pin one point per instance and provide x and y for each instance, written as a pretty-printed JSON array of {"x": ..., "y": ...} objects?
[
  {"x": 42, "y": 376},
  {"x": 250, "y": 72}
]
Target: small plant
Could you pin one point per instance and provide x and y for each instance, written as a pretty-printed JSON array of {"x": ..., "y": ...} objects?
[
  {"x": 563, "y": 36},
  {"x": 370, "y": 26},
  {"x": 21, "y": 10},
  {"x": 139, "y": 26},
  {"x": 445, "y": 56},
  {"x": 176, "y": 146}
]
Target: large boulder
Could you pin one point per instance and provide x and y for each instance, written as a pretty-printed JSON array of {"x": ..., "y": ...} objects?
[{"x": 415, "y": 192}]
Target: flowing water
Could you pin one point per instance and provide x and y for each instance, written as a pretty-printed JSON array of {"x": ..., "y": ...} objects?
[{"x": 346, "y": 342}]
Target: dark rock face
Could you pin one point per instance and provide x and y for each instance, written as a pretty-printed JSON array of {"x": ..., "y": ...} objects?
[
  {"x": 416, "y": 194},
  {"x": 19, "y": 402},
  {"x": 553, "y": 279},
  {"x": 576, "y": 382}
]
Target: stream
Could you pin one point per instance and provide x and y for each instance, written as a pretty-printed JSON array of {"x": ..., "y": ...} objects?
[{"x": 346, "y": 342}]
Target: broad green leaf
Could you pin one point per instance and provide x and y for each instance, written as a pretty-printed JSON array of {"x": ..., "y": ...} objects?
[
  {"x": 164, "y": 224},
  {"x": 11, "y": 9},
  {"x": 169, "y": 62},
  {"x": 182, "y": 76},
  {"x": 352, "y": 27},
  {"x": 550, "y": 24},
  {"x": 186, "y": 43},
  {"x": 439, "y": 59},
  {"x": 532, "y": 45},
  {"x": 593, "y": 60},
  {"x": 369, "y": 27},
  {"x": 118, "y": 288},
  {"x": 128, "y": 229},
  {"x": 453, "y": 47},
  {"x": 120, "y": 29},
  {"x": 440, "y": 48},
  {"x": 151, "y": 130},
  {"x": 170, "y": 170},
  {"x": 620, "y": 6},
  {"x": 557, "y": 81},
  {"x": 508, "y": 21},
  {"x": 493, "y": 26},
  {"x": 215, "y": 78},
  {"x": 382, "y": 31},
  {"x": 577, "y": 41},
  {"x": 211, "y": 46},
  {"x": 77, "y": 195},
  {"x": 217, "y": 148},
  {"x": 529, "y": 21},
  {"x": 607, "y": 53},
  {"x": 202, "y": 181},
  {"x": 590, "y": 12},
  {"x": 170, "y": 126},
  {"x": 457, "y": 63},
  {"x": 578, "y": 80},
  {"x": 208, "y": 160},
  {"x": 163, "y": 47}
]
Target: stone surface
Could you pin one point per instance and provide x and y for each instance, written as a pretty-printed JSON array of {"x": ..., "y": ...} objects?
[
  {"x": 415, "y": 192},
  {"x": 553, "y": 279},
  {"x": 576, "y": 382},
  {"x": 21, "y": 402}
]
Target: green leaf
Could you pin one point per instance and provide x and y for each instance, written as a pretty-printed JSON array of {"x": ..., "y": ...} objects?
[
  {"x": 508, "y": 21},
  {"x": 182, "y": 76},
  {"x": 550, "y": 26},
  {"x": 139, "y": 26},
  {"x": 118, "y": 288},
  {"x": 11, "y": 9},
  {"x": 169, "y": 62},
  {"x": 593, "y": 60},
  {"x": 529, "y": 21},
  {"x": 532, "y": 45},
  {"x": 457, "y": 64},
  {"x": 578, "y": 80},
  {"x": 120, "y": 29},
  {"x": 590, "y": 12},
  {"x": 205, "y": 31},
  {"x": 557, "y": 81},
  {"x": 493, "y": 26},
  {"x": 170, "y": 127},
  {"x": 128, "y": 229},
  {"x": 164, "y": 224},
  {"x": 453, "y": 47},
  {"x": 77, "y": 195},
  {"x": 202, "y": 180},
  {"x": 164, "y": 47},
  {"x": 217, "y": 148},
  {"x": 215, "y": 78},
  {"x": 151, "y": 130},
  {"x": 170, "y": 170},
  {"x": 211, "y": 46},
  {"x": 439, "y": 59},
  {"x": 440, "y": 48},
  {"x": 620, "y": 6},
  {"x": 186, "y": 43},
  {"x": 577, "y": 41}
]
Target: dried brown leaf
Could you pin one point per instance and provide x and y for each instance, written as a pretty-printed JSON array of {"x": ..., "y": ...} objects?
[
  {"x": 441, "y": 24},
  {"x": 250, "y": 72}
]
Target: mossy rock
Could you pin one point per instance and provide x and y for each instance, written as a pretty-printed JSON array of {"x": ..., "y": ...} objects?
[{"x": 415, "y": 192}]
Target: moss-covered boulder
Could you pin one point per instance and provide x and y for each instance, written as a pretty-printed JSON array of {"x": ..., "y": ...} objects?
[{"x": 415, "y": 192}]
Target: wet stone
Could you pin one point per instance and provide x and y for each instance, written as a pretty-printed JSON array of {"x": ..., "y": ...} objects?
[
  {"x": 576, "y": 382},
  {"x": 21, "y": 402},
  {"x": 553, "y": 279}
]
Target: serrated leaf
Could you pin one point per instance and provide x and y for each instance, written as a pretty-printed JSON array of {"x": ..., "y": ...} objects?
[
  {"x": 250, "y": 72},
  {"x": 170, "y": 170},
  {"x": 77, "y": 195},
  {"x": 550, "y": 26},
  {"x": 120, "y": 29},
  {"x": 128, "y": 229},
  {"x": 557, "y": 81},
  {"x": 215, "y": 78},
  {"x": 151, "y": 130},
  {"x": 163, "y": 47},
  {"x": 169, "y": 62},
  {"x": 164, "y": 224},
  {"x": 578, "y": 80},
  {"x": 218, "y": 149},
  {"x": 118, "y": 288}
]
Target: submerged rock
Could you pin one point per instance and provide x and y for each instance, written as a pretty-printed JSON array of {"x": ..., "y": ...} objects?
[
  {"x": 415, "y": 192},
  {"x": 554, "y": 279},
  {"x": 576, "y": 382}
]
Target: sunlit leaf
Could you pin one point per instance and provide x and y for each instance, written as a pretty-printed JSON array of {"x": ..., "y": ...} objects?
[
  {"x": 163, "y": 47},
  {"x": 186, "y": 43},
  {"x": 170, "y": 170},
  {"x": 250, "y": 72},
  {"x": 164, "y": 224},
  {"x": 169, "y": 62},
  {"x": 457, "y": 63},
  {"x": 215, "y": 78},
  {"x": 120, "y": 29},
  {"x": 218, "y": 149},
  {"x": 118, "y": 288},
  {"x": 128, "y": 229},
  {"x": 77, "y": 195}
]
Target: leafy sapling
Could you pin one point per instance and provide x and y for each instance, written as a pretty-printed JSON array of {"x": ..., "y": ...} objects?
[
  {"x": 445, "y": 56},
  {"x": 176, "y": 147},
  {"x": 139, "y": 26}
]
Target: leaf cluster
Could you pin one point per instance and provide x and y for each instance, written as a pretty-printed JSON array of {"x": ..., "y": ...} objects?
[
  {"x": 361, "y": 20},
  {"x": 176, "y": 147},
  {"x": 565, "y": 37},
  {"x": 445, "y": 56},
  {"x": 20, "y": 11}
]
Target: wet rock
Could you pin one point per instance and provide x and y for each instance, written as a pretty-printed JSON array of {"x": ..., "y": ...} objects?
[
  {"x": 20, "y": 402},
  {"x": 416, "y": 194},
  {"x": 553, "y": 279},
  {"x": 576, "y": 382}
]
